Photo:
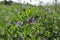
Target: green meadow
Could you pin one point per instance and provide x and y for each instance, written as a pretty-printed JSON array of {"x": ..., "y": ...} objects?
[{"x": 28, "y": 22}]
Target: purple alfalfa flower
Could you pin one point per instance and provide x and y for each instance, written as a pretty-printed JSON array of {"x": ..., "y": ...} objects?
[
  {"x": 44, "y": 39},
  {"x": 34, "y": 21},
  {"x": 30, "y": 20},
  {"x": 19, "y": 23}
]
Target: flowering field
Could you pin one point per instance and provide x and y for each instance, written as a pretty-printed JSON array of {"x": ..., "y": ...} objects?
[{"x": 27, "y": 22}]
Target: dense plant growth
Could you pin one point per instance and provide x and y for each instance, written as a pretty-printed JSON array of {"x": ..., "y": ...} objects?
[{"x": 20, "y": 21}]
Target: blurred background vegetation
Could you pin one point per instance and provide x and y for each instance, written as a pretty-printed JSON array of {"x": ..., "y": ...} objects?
[{"x": 29, "y": 22}]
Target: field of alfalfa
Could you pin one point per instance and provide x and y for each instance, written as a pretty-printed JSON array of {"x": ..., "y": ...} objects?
[{"x": 27, "y": 22}]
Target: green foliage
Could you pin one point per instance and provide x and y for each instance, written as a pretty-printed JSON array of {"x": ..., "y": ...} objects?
[{"x": 29, "y": 22}]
